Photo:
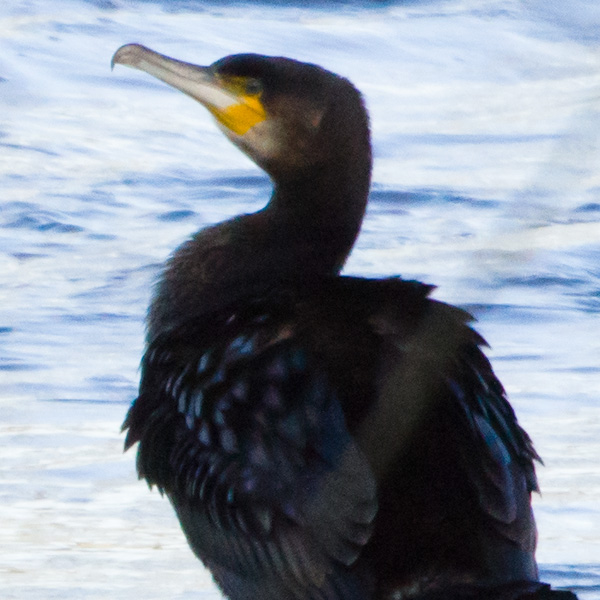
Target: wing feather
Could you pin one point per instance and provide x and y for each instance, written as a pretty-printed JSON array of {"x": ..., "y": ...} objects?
[{"x": 243, "y": 429}]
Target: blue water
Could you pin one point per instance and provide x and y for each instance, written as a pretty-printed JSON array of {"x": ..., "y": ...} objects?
[{"x": 486, "y": 126}]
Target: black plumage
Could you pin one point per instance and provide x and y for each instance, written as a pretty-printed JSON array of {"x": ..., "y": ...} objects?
[{"x": 321, "y": 436}]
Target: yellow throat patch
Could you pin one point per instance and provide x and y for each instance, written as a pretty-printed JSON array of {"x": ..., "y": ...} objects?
[{"x": 240, "y": 117}]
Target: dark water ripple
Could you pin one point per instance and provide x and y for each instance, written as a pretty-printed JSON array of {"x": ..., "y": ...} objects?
[
  {"x": 590, "y": 207},
  {"x": 584, "y": 580}
]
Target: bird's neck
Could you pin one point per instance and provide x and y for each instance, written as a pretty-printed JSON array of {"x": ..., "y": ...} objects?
[
  {"x": 316, "y": 219},
  {"x": 306, "y": 232}
]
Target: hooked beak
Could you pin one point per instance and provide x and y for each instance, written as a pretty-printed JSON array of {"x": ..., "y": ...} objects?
[{"x": 235, "y": 111}]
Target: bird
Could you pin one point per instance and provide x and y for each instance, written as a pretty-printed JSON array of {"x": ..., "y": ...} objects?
[{"x": 322, "y": 436}]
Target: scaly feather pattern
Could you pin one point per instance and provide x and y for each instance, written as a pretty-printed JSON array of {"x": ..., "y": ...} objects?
[
  {"x": 252, "y": 420},
  {"x": 242, "y": 428}
]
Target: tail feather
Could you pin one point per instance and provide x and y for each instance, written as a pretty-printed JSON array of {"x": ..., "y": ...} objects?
[{"x": 521, "y": 590}]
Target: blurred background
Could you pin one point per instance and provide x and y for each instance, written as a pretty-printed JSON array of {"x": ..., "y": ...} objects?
[{"x": 486, "y": 130}]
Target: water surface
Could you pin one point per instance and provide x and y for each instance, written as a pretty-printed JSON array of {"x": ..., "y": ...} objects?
[{"x": 485, "y": 119}]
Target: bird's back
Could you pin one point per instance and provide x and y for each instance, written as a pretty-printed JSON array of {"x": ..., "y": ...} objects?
[{"x": 341, "y": 439}]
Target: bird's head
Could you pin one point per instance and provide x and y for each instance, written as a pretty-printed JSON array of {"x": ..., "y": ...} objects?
[{"x": 289, "y": 117}]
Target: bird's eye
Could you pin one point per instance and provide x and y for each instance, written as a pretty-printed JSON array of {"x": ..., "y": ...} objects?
[{"x": 253, "y": 87}]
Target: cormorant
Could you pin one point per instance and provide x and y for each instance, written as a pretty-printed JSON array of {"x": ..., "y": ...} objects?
[{"x": 321, "y": 436}]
